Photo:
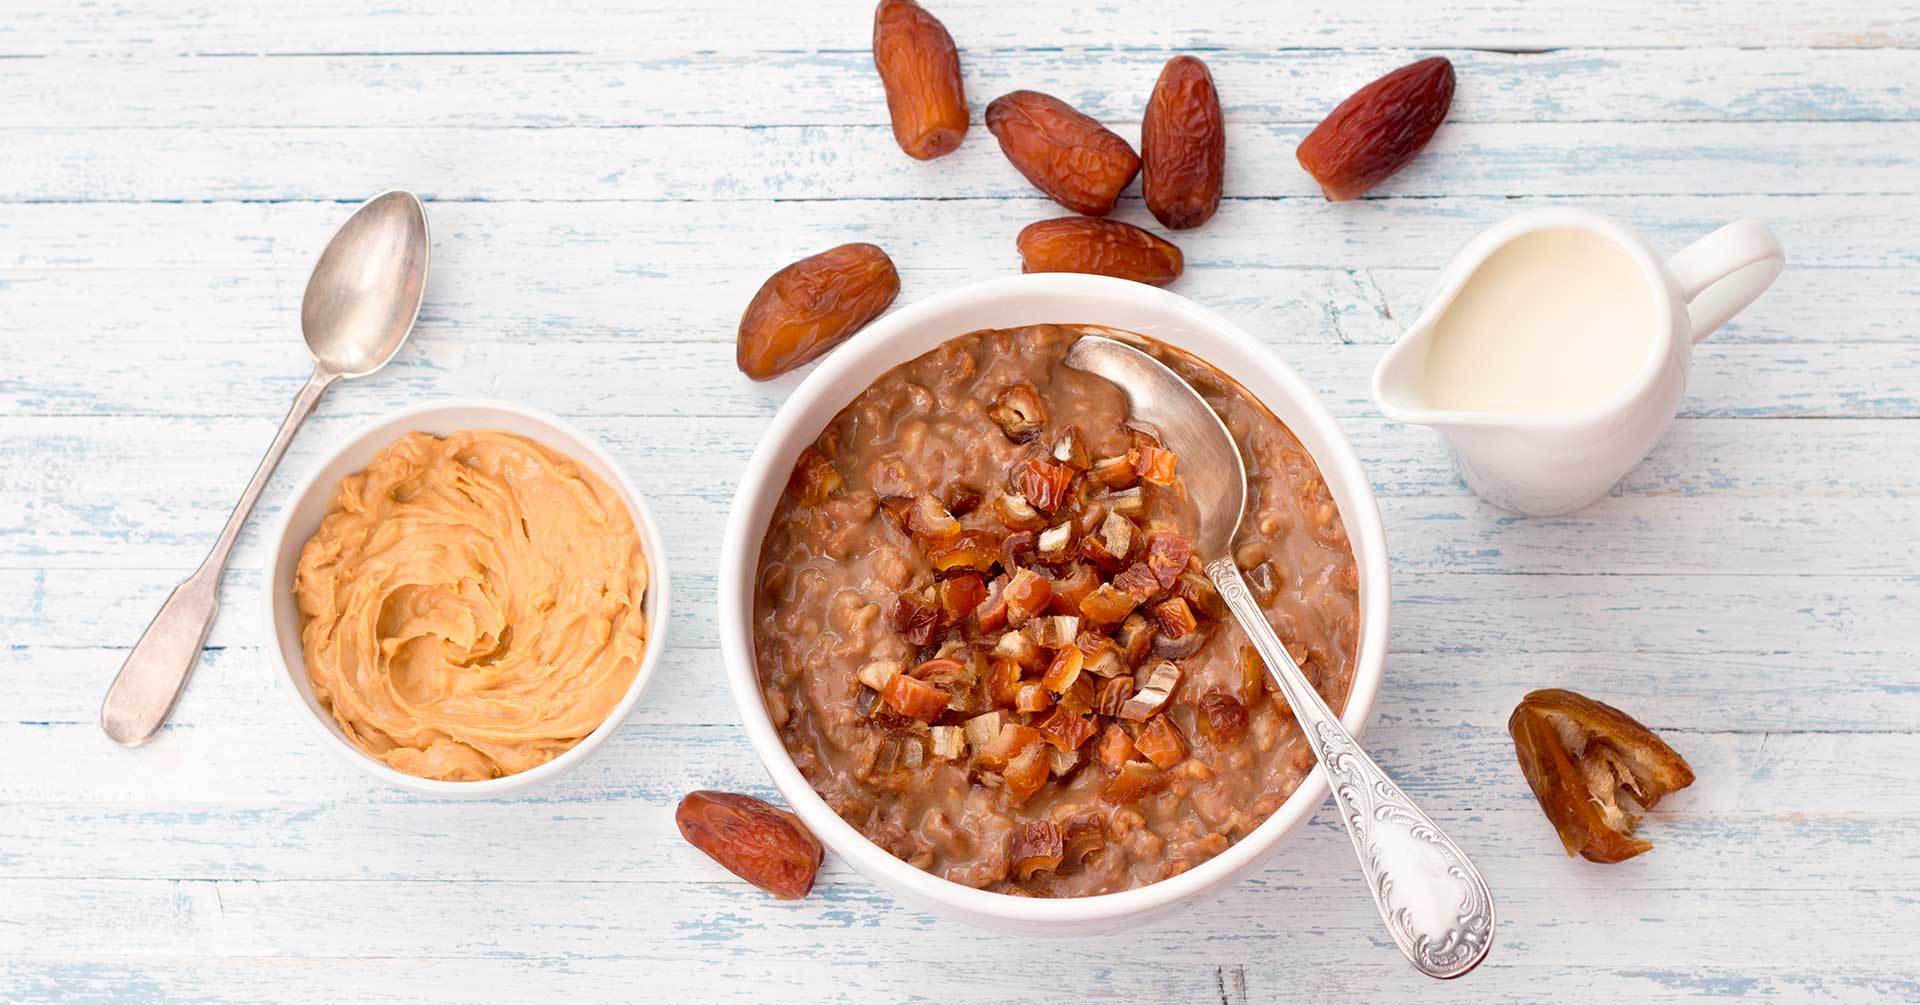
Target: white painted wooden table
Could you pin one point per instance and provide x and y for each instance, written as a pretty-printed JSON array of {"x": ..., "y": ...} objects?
[{"x": 608, "y": 186}]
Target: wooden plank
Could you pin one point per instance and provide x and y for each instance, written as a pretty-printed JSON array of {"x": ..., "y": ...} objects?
[
  {"x": 662, "y": 26},
  {"x": 607, "y": 242},
  {"x": 861, "y": 162},
  {"x": 1233, "y": 978},
  {"x": 485, "y": 294},
  {"x": 839, "y": 87},
  {"x": 84, "y": 376}
]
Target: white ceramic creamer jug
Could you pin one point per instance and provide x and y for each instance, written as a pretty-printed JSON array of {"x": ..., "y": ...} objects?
[{"x": 1553, "y": 354}]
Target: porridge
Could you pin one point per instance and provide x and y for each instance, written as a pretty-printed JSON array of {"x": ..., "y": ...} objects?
[{"x": 985, "y": 640}]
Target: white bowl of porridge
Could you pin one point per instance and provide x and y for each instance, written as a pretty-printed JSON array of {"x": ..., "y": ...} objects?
[{"x": 966, "y": 633}]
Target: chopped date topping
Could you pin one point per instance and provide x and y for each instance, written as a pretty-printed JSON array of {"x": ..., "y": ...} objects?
[
  {"x": 960, "y": 595},
  {"x": 1043, "y": 483},
  {"x": 1114, "y": 694},
  {"x": 1135, "y": 637},
  {"x": 1138, "y": 582},
  {"x": 1110, "y": 546},
  {"x": 1199, "y": 593},
  {"x": 913, "y": 698},
  {"x": 1027, "y": 595},
  {"x": 1064, "y": 671},
  {"x": 1149, "y": 700},
  {"x": 1135, "y": 781},
  {"x": 1032, "y": 696},
  {"x": 943, "y": 670},
  {"x": 1116, "y": 749},
  {"x": 1003, "y": 682},
  {"x": 1073, "y": 587},
  {"x": 1066, "y": 729},
  {"x": 1117, "y": 472},
  {"x": 1017, "y": 513},
  {"x": 1103, "y": 657},
  {"x": 1035, "y": 847},
  {"x": 1039, "y": 628},
  {"x": 1054, "y": 632},
  {"x": 1155, "y": 464},
  {"x": 1021, "y": 649},
  {"x": 930, "y": 521},
  {"x": 877, "y": 673},
  {"x": 1055, "y": 545},
  {"x": 1222, "y": 717},
  {"x": 1083, "y": 834},
  {"x": 914, "y": 619},
  {"x": 814, "y": 478},
  {"x": 1065, "y": 762},
  {"x": 991, "y": 615},
  {"x": 1263, "y": 581},
  {"x": 1106, "y": 605},
  {"x": 982, "y": 730},
  {"x": 899, "y": 512},
  {"x": 968, "y": 549},
  {"x": 1167, "y": 555},
  {"x": 1175, "y": 619},
  {"x": 1019, "y": 413},
  {"x": 949, "y": 742},
  {"x": 1070, "y": 449},
  {"x": 1078, "y": 698},
  {"x": 1161, "y": 742}
]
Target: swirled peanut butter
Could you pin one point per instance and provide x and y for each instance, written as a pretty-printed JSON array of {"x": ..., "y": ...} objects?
[{"x": 472, "y": 605}]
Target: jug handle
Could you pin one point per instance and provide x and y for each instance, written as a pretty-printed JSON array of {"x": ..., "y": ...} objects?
[{"x": 1723, "y": 272}]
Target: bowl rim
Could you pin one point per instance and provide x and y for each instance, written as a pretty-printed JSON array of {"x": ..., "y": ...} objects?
[
  {"x": 655, "y": 604},
  {"x": 740, "y": 553}
]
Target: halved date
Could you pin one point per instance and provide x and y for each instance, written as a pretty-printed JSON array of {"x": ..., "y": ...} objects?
[
  {"x": 1078, "y": 162},
  {"x": 1101, "y": 248},
  {"x": 811, "y": 306},
  {"x": 1183, "y": 145}
]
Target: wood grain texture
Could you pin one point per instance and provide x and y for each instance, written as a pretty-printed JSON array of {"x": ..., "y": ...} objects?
[{"x": 608, "y": 185}]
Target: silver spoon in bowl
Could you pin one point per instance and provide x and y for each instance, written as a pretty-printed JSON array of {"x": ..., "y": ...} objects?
[
  {"x": 1437, "y": 907},
  {"x": 360, "y": 305}
]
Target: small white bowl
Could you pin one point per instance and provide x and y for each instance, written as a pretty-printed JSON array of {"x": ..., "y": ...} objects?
[
  {"x": 1004, "y": 303},
  {"x": 308, "y": 505}
]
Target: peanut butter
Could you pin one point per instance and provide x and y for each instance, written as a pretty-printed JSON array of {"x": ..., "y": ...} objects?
[{"x": 472, "y": 605}]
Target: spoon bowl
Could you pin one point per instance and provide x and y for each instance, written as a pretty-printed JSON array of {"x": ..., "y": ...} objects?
[
  {"x": 365, "y": 290},
  {"x": 1435, "y": 903}
]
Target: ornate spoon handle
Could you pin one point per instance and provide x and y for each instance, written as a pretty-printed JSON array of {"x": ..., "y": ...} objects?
[{"x": 1436, "y": 906}]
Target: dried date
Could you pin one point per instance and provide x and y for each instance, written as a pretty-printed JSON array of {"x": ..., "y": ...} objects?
[
  {"x": 1183, "y": 145},
  {"x": 762, "y": 844},
  {"x": 1379, "y": 130},
  {"x": 920, "y": 70},
  {"x": 1075, "y": 160},
  {"x": 811, "y": 306},
  {"x": 1099, "y": 247}
]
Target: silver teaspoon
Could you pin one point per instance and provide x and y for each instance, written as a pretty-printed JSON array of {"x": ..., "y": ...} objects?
[
  {"x": 360, "y": 305},
  {"x": 1437, "y": 907}
]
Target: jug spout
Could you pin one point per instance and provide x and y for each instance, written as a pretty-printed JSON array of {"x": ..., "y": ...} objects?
[{"x": 1399, "y": 377}]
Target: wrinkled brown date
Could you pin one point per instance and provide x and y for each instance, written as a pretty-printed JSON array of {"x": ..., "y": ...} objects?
[
  {"x": 920, "y": 69},
  {"x": 1078, "y": 162},
  {"x": 762, "y": 844},
  {"x": 1379, "y": 130},
  {"x": 1183, "y": 146},
  {"x": 1101, "y": 247},
  {"x": 812, "y": 306},
  {"x": 1580, "y": 758}
]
